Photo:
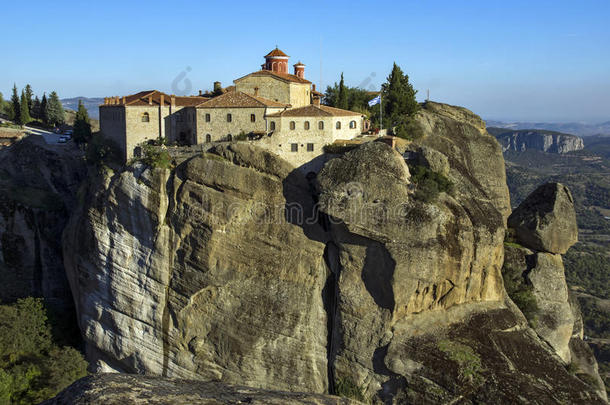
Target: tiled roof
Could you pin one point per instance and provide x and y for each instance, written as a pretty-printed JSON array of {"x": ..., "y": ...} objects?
[
  {"x": 276, "y": 52},
  {"x": 238, "y": 99},
  {"x": 143, "y": 99},
  {"x": 315, "y": 111},
  {"x": 282, "y": 76}
]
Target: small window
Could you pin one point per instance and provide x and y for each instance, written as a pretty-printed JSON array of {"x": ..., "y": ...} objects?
[
  {"x": 208, "y": 138},
  {"x": 229, "y": 118},
  {"x": 229, "y": 137},
  {"x": 306, "y": 125},
  {"x": 294, "y": 147},
  {"x": 338, "y": 126},
  {"x": 321, "y": 125},
  {"x": 145, "y": 117},
  {"x": 272, "y": 126},
  {"x": 352, "y": 124},
  {"x": 252, "y": 117},
  {"x": 207, "y": 118},
  {"x": 293, "y": 125},
  {"x": 310, "y": 147}
]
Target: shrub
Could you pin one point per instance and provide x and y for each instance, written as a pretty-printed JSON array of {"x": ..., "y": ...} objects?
[
  {"x": 429, "y": 184},
  {"x": 338, "y": 148},
  {"x": 408, "y": 128},
  {"x": 242, "y": 136},
  {"x": 156, "y": 157}
]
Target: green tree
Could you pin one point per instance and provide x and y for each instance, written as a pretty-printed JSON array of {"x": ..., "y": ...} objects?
[
  {"x": 43, "y": 109},
  {"x": 399, "y": 103},
  {"x": 35, "y": 112},
  {"x": 82, "y": 126},
  {"x": 24, "y": 114},
  {"x": 342, "y": 100},
  {"x": 54, "y": 110},
  {"x": 16, "y": 108},
  {"x": 29, "y": 94}
]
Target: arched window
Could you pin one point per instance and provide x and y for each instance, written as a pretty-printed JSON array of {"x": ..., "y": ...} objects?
[
  {"x": 208, "y": 138},
  {"x": 352, "y": 124},
  {"x": 320, "y": 124},
  {"x": 207, "y": 118},
  {"x": 293, "y": 125},
  {"x": 145, "y": 117},
  {"x": 229, "y": 137},
  {"x": 229, "y": 118},
  {"x": 272, "y": 126},
  {"x": 306, "y": 125},
  {"x": 252, "y": 118},
  {"x": 338, "y": 126}
]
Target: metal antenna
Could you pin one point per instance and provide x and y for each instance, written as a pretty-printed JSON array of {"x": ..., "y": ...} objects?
[
  {"x": 428, "y": 97},
  {"x": 321, "y": 88}
]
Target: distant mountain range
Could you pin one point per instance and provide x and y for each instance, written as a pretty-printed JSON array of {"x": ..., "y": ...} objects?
[
  {"x": 574, "y": 128},
  {"x": 91, "y": 104}
]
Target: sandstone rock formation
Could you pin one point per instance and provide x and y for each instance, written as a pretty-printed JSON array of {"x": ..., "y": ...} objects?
[
  {"x": 234, "y": 267},
  {"x": 147, "y": 390},
  {"x": 536, "y": 280},
  {"x": 38, "y": 186},
  {"x": 544, "y": 141},
  {"x": 546, "y": 220}
]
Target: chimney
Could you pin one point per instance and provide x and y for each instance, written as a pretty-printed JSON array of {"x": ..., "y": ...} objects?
[
  {"x": 124, "y": 100},
  {"x": 313, "y": 86},
  {"x": 217, "y": 88},
  {"x": 162, "y": 102},
  {"x": 256, "y": 91},
  {"x": 116, "y": 99},
  {"x": 316, "y": 101},
  {"x": 299, "y": 70},
  {"x": 150, "y": 100},
  {"x": 173, "y": 100},
  {"x": 200, "y": 93}
]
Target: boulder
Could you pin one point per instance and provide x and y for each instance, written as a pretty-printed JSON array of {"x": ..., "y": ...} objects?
[{"x": 546, "y": 220}]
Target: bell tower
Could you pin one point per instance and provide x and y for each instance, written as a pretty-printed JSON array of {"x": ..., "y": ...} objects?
[{"x": 276, "y": 61}]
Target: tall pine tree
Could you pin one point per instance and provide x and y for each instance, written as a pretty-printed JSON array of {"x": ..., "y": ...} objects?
[
  {"x": 36, "y": 108},
  {"x": 24, "y": 114},
  {"x": 82, "y": 126},
  {"x": 54, "y": 110},
  {"x": 342, "y": 101},
  {"x": 15, "y": 107},
  {"x": 43, "y": 109}
]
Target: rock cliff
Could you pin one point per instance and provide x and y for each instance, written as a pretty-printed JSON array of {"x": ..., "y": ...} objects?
[
  {"x": 540, "y": 140},
  {"x": 39, "y": 186},
  {"x": 234, "y": 267}
]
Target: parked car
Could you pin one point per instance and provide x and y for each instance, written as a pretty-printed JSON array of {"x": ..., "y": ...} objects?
[
  {"x": 68, "y": 132},
  {"x": 63, "y": 139}
]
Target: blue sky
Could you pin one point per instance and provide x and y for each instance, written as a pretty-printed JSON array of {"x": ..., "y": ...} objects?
[{"x": 519, "y": 60}]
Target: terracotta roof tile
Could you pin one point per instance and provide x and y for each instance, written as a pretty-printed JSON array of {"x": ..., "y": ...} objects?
[
  {"x": 238, "y": 99},
  {"x": 315, "y": 111},
  {"x": 276, "y": 52},
  {"x": 142, "y": 99},
  {"x": 282, "y": 76}
]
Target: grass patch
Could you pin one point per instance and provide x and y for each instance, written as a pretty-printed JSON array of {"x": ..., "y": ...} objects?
[
  {"x": 468, "y": 361},
  {"x": 345, "y": 387}
]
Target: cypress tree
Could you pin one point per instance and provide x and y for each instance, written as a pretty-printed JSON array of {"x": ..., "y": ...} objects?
[
  {"x": 28, "y": 95},
  {"x": 24, "y": 114},
  {"x": 16, "y": 108},
  {"x": 43, "y": 109},
  {"x": 82, "y": 126},
  {"x": 399, "y": 96},
  {"x": 342, "y": 97}
]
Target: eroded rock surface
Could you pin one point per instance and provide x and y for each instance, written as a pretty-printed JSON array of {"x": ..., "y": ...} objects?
[
  {"x": 546, "y": 220},
  {"x": 147, "y": 390},
  {"x": 225, "y": 269}
]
